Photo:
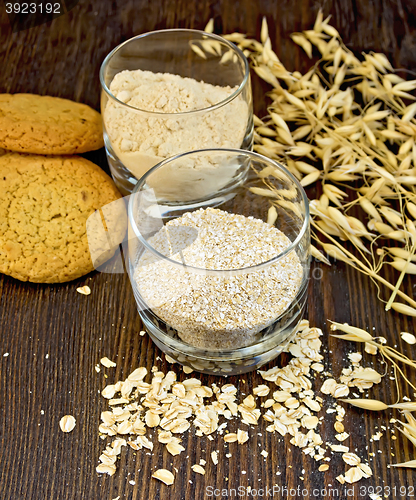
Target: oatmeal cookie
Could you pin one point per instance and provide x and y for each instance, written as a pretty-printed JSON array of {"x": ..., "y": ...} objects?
[
  {"x": 44, "y": 206},
  {"x": 47, "y": 125}
]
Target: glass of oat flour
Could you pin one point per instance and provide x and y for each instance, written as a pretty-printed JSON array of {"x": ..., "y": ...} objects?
[
  {"x": 220, "y": 285},
  {"x": 172, "y": 91}
]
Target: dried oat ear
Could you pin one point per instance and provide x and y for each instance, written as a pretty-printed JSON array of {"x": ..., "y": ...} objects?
[{"x": 361, "y": 154}]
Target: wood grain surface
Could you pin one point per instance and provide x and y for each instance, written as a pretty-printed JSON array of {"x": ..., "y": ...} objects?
[{"x": 55, "y": 336}]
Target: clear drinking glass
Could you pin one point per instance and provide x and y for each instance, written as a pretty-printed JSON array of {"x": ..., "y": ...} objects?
[
  {"x": 138, "y": 137},
  {"x": 164, "y": 276}
]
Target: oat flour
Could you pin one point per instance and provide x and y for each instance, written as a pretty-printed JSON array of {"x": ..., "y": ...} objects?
[{"x": 141, "y": 140}]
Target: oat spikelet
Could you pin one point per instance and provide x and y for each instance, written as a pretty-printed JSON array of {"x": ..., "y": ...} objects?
[
  {"x": 404, "y": 309},
  {"x": 264, "y": 33},
  {"x": 360, "y": 334},
  {"x": 319, "y": 255},
  {"x": 209, "y": 28},
  {"x": 367, "y": 404}
]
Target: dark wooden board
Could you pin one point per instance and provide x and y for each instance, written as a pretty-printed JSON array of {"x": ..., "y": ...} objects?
[{"x": 55, "y": 336}]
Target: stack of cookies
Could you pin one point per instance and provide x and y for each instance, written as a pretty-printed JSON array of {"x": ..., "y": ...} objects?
[{"x": 47, "y": 193}]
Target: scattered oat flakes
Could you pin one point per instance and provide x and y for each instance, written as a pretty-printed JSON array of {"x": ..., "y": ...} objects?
[
  {"x": 318, "y": 367},
  {"x": 353, "y": 475},
  {"x": 6, "y": 354},
  {"x": 370, "y": 348},
  {"x": 310, "y": 422},
  {"x": 187, "y": 369},
  {"x": 84, "y": 290},
  {"x": 323, "y": 467},
  {"x": 67, "y": 423},
  {"x": 169, "y": 359},
  {"x": 230, "y": 437},
  {"x": 97, "y": 368},
  {"x": 374, "y": 496},
  {"x": 132, "y": 482},
  {"x": 107, "y": 362},
  {"x": 328, "y": 387},
  {"x": 408, "y": 337},
  {"x": 164, "y": 475},
  {"x": 152, "y": 418},
  {"x": 342, "y": 437},
  {"x": 106, "y": 469},
  {"x": 242, "y": 436},
  {"x": 341, "y": 391},
  {"x": 142, "y": 333},
  {"x": 261, "y": 390},
  {"x": 264, "y": 453},
  {"x": 172, "y": 407},
  {"x": 339, "y": 427},
  {"x": 174, "y": 448},
  {"x": 198, "y": 469},
  {"x": 355, "y": 357},
  {"x": 339, "y": 448},
  {"x": 351, "y": 459},
  {"x": 365, "y": 469}
]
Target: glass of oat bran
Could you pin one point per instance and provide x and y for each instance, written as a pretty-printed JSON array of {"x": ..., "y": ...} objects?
[
  {"x": 172, "y": 91},
  {"x": 219, "y": 276}
]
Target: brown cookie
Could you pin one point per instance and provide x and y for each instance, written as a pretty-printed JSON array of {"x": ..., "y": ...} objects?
[
  {"x": 44, "y": 206},
  {"x": 47, "y": 125}
]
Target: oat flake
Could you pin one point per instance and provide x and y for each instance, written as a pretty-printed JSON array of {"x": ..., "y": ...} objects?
[
  {"x": 107, "y": 362},
  {"x": 67, "y": 423},
  {"x": 165, "y": 476}
]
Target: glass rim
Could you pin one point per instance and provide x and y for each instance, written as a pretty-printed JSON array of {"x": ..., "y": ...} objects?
[
  {"x": 219, "y": 104},
  {"x": 221, "y": 272}
]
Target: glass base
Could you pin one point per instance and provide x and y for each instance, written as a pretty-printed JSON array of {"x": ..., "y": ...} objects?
[
  {"x": 272, "y": 341},
  {"x": 124, "y": 178}
]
